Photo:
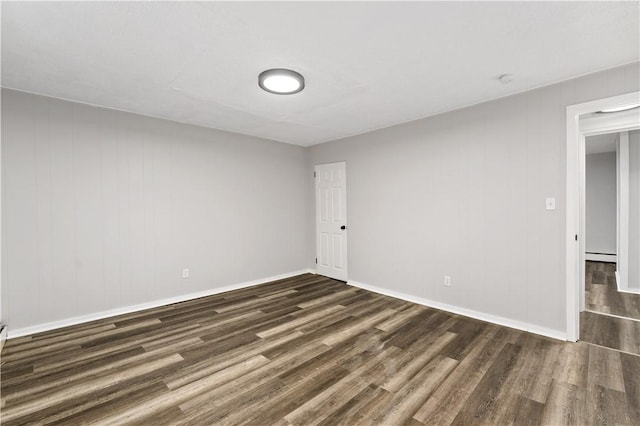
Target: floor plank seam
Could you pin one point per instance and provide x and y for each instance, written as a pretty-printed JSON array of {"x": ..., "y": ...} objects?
[
  {"x": 611, "y": 349},
  {"x": 612, "y": 315}
]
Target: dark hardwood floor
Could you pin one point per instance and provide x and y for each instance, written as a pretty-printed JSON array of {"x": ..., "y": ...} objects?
[
  {"x": 602, "y": 295},
  {"x": 601, "y": 324},
  {"x": 310, "y": 350},
  {"x": 617, "y": 333}
]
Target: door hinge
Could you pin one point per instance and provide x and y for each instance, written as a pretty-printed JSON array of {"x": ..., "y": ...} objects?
[
  {"x": 316, "y": 260},
  {"x": 576, "y": 237},
  {"x": 314, "y": 174}
]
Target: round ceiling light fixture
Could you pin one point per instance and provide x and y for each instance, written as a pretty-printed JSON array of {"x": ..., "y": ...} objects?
[
  {"x": 618, "y": 109},
  {"x": 281, "y": 81}
]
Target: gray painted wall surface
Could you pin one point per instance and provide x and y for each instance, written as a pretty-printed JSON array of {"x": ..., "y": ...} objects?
[
  {"x": 463, "y": 194},
  {"x": 601, "y": 203},
  {"x": 3, "y": 290},
  {"x": 634, "y": 210},
  {"x": 103, "y": 209}
]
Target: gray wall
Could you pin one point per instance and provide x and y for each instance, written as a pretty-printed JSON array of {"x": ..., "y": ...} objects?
[
  {"x": 103, "y": 209},
  {"x": 3, "y": 290},
  {"x": 634, "y": 210},
  {"x": 463, "y": 194},
  {"x": 601, "y": 203}
]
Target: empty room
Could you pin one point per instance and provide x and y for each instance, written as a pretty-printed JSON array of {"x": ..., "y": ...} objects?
[{"x": 320, "y": 213}]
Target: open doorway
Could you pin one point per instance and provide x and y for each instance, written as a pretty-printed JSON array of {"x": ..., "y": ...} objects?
[
  {"x": 617, "y": 116},
  {"x": 612, "y": 241},
  {"x": 603, "y": 221}
]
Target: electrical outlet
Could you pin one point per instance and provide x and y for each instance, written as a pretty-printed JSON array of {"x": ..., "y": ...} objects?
[
  {"x": 447, "y": 281},
  {"x": 185, "y": 273}
]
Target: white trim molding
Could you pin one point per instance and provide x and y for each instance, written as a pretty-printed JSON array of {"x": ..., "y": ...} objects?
[
  {"x": 494, "y": 319},
  {"x": 597, "y": 257},
  {"x": 622, "y": 225},
  {"x": 601, "y": 124},
  {"x": 134, "y": 308},
  {"x": 574, "y": 225}
]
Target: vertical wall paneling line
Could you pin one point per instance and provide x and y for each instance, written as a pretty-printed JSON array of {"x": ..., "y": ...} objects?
[
  {"x": 617, "y": 210},
  {"x": 149, "y": 219},
  {"x": 635, "y": 286},
  {"x": 530, "y": 231},
  {"x": 129, "y": 148},
  {"x": 154, "y": 212},
  {"x": 74, "y": 133},
  {"x": 484, "y": 218},
  {"x": 539, "y": 197},
  {"x": 42, "y": 168},
  {"x": 51, "y": 224},
  {"x": 146, "y": 240},
  {"x": 118, "y": 140},
  {"x": 122, "y": 185},
  {"x": 5, "y": 233},
  {"x": 6, "y": 296},
  {"x": 34, "y": 121},
  {"x": 103, "y": 278}
]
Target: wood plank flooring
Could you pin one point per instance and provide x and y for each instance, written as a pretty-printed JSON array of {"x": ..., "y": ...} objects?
[
  {"x": 602, "y": 295},
  {"x": 310, "y": 350},
  {"x": 616, "y": 333},
  {"x": 598, "y": 325}
]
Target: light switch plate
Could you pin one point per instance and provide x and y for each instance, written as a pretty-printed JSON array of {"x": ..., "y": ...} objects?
[{"x": 550, "y": 203}]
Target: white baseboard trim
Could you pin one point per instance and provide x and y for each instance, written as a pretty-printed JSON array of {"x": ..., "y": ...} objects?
[
  {"x": 611, "y": 258},
  {"x": 156, "y": 303},
  {"x": 532, "y": 328}
]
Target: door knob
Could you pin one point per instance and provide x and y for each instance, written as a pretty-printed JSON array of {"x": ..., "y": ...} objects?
[{"x": 343, "y": 227}]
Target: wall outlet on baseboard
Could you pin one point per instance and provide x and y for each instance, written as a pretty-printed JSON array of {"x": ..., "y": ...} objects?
[
  {"x": 447, "y": 281},
  {"x": 185, "y": 273}
]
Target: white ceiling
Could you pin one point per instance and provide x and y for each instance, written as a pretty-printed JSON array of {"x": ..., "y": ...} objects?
[{"x": 367, "y": 65}]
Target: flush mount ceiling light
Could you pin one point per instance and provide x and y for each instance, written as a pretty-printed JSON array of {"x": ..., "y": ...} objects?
[
  {"x": 618, "y": 109},
  {"x": 281, "y": 81}
]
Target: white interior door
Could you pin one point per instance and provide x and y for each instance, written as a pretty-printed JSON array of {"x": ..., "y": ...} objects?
[{"x": 331, "y": 220}]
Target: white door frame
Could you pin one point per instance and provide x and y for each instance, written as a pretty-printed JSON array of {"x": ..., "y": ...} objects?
[
  {"x": 622, "y": 215},
  {"x": 575, "y": 262}
]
